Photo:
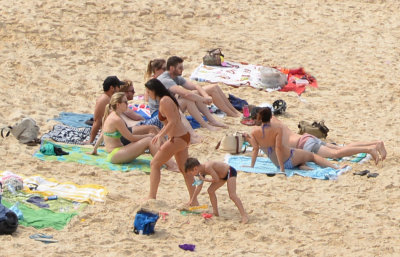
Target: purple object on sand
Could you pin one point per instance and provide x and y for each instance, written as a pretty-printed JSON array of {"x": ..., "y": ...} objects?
[{"x": 187, "y": 247}]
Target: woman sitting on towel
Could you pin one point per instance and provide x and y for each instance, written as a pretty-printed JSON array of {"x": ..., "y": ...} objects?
[
  {"x": 155, "y": 68},
  {"x": 268, "y": 137},
  {"x": 178, "y": 134},
  {"x": 114, "y": 127}
]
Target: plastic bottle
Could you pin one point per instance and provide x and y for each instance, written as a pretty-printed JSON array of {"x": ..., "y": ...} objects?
[{"x": 52, "y": 197}]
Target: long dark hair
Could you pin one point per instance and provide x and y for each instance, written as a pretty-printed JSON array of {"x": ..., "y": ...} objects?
[
  {"x": 159, "y": 89},
  {"x": 264, "y": 115}
]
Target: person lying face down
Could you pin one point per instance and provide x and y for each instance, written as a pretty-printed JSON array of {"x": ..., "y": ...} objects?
[
  {"x": 268, "y": 137},
  {"x": 310, "y": 143}
]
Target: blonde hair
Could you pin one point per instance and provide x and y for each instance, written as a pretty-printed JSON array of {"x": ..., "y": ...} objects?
[
  {"x": 112, "y": 106},
  {"x": 152, "y": 66},
  {"x": 126, "y": 86}
]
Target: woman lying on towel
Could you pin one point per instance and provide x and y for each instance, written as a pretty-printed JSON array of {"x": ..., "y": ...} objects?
[
  {"x": 179, "y": 138},
  {"x": 114, "y": 128},
  {"x": 268, "y": 137}
]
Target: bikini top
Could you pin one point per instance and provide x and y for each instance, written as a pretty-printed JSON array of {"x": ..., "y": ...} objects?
[
  {"x": 115, "y": 134},
  {"x": 160, "y": 117},
  {"x": 269, "y": 149}
]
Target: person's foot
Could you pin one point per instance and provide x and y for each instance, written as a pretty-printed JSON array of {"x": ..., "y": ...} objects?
[
  {"x": 194, "y": 203},
  {"x": 218, "y": 124},
  {"x": 172, "y": 166},
  {"x": 245, "y": 219},
  {"x": 211, "y": 128},
  {"x": 375, "y": 155},
  {"x": 195, "y": 139},
  {"x": 382, "y": 150}
]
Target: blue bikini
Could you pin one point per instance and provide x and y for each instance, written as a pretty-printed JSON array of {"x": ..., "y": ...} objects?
[{"x": 288, "y": 163}]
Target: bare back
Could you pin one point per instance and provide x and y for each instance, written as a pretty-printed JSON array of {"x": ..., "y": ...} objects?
[
  {"x": 170, "y": 111},
  {"x": 220, "y": 168}
]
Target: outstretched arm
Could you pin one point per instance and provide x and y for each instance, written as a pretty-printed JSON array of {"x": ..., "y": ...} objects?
[
  {"x": 279, "y": 149},
  {"x": 256, "y": 148},
  {"x": 195, "y": 193},
  {"x": 191, "y": 86},
  {"x": 98, "y": 142}
]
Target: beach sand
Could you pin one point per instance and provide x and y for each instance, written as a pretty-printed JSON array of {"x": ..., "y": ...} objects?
[{"x": 56, "y": 54}]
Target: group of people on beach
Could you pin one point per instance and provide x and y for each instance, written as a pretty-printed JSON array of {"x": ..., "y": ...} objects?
[{"x": 168, "y": 134}]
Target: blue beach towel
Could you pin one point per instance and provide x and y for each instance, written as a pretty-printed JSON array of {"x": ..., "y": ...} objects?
[
  {"x": 265, "y": 166},
  {"x": 72, "y": 119}
]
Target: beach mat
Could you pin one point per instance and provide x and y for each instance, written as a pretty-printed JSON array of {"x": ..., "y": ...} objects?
[
  {"x": 241, "y": 74},
  {"x": 81, "y": 154},
  {"x": 72, "y": 119},
  {"x": 42, "y": 217},
  {"x": 67, "y": 134},
  {"x": 265, "y": 166}
]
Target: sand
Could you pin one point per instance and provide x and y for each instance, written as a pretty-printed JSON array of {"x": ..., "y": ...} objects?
[{"x": 56, "y": 54}]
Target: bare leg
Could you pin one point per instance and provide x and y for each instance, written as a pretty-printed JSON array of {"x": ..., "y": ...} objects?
[
  {"x": 191, "y": 107},
  {"x": 145, "y": 129},
  {"x": 181, "y": 158},
  {"x": 213, "y": 197},
  {"x": 221, "y": 101},
  {"x": 328, "y": 152},
  {"x": 167, "y": 150},
  {"x": 204, "y": 109},
  {"x": 231, "y": 184},
  {"x": 300, "y": 157},
  {"x": 131, "y": 151}
]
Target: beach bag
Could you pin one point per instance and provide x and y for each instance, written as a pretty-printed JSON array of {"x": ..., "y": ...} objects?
[
  {"x": 145, "y": 222},
  {"x": 232, "y": 143},
  {"x": 26, "y": 131},
  {"x": 272, "y": 78},
  {"x": 317, "y": 129},
  {"x": 213, "y": 57},
  {"x": 8, "y": 219}
]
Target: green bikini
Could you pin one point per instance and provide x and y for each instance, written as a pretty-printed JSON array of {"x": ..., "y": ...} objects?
[{"x": 115, "y": 134}]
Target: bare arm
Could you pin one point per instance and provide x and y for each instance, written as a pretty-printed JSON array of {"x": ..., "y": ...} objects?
[
  {"x": 97, "y": 117},
  {"x": 212, "y": 173},
  {"x": 196, "y": 193},
  {"x": 279, "y": 149},
  {"x": 187, "y": 94},
  {"x": 202, "y": 92},
  {"x": 121, "y": 127},
  {"x": 256, "y": 148},
  {"x": 98, "y": 142},
  {"x": 131, "y": 114}
]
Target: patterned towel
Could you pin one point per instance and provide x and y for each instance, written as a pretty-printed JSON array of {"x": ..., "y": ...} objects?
[
  {"x": 70, "y": 135},
  {"x": 264, "y": 165},
  {"x": 82, "y": 155},
  {"x": 89, "y": 193},
  {"x": 238, "y": 74}
]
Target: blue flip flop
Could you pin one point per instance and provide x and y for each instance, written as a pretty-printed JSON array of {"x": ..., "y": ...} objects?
[{"x": 47, "y": 239}]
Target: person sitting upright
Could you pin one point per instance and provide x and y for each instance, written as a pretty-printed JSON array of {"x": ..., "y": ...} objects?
[
  {"x": 194, "y": 103},
  {"x": 110, "y": 85}
]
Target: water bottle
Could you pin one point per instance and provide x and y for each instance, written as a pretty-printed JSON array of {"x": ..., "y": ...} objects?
[{"x": 52, "y": 197}]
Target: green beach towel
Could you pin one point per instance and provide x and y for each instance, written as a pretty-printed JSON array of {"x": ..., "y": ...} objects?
[
  {"x": 41, "y": 217},
  {"x": 81, "y": 154}
]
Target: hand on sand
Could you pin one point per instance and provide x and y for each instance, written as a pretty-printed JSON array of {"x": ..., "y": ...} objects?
[{"x": 94, "y": 152}]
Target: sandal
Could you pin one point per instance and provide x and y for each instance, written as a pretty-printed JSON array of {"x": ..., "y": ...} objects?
[
  {"x": 47, "y": 239},
  {"x": 372, "y": 175},
  {"x": 248, "y": 122},
  {"x": 361, "y": 173}
]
